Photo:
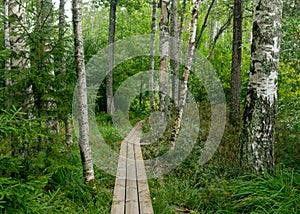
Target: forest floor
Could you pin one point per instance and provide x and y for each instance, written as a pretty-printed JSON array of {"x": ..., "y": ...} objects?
[{"x": 50, "y": 180}]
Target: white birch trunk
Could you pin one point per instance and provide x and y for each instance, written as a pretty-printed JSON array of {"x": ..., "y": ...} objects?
[
  {"x": 85, "y": 150},
  {"x": 163, "y": 57},
  {"x": 17, "y": 42},
  {"x": 20, "y": 59},
  {"x": 188, "y": 65},
  {"x": 257, "y": 134},
  {"x": 152, "y": 54}
]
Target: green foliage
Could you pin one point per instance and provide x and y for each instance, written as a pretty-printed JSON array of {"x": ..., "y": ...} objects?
[
  {"x": 108, "y": 131},
  {"x": 39, "y": 174},
  {"x": 278, "y": 193}
]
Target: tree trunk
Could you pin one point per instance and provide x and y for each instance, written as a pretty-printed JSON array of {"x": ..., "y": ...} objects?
[
  {"x": 257, "y": 134},
  {"x": 152, "y": 53},
  {"x": 174, "y": 50},
  {"x": 63, "y": 69},
  {"x": 163, "y": 57},
  {"x": 235, "y": 85},
  {"x": 111, "y": 40},
  {"x": 85, "y": 150},
  {"x": 183, "y": 10},
  {"x": 182, "y": 18},
  {"x": 17, "y": 42},
  {"x": 7, "y": 40},
  {"x": 213, "y": 28},
  {"x": 188, "y": 65}
]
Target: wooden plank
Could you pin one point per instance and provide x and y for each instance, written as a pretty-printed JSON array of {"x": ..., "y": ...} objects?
[
  {"x": 120, "y": 185},
  {"x": 145, "y": 202},
  {"x": 131, "y": 193},
  {"x": 132, "y": 206}
]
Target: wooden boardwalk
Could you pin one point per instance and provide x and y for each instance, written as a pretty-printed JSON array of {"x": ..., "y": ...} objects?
[{"x": 131, "y": 192}]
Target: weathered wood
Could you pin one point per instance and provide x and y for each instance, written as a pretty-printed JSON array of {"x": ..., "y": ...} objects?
[
  {"x": 132, "y": 205},
  {"x": 120, "y": 184},
  {"x": 131, "y": 193},
  {"x": 143, "y": 188}
]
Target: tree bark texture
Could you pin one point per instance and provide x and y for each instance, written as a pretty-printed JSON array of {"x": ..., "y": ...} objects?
[
  {"x": 85, "y": 150},
  {"x": 235, "y": 84},
  {"x": 63, "y": 69},
  {"x": 163, "y": 57},
  {"x": 7, "y": 40},
  {"x": 152, "y": 54},
  {"x": 174, "y": 50},
  {"x": 111, "y": 40},
  {"x": 257, "y": 134}
]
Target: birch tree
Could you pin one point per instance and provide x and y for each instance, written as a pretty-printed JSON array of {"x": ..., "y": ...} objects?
[
  {"x": 111, "y": 40},
  {"x": 163, "y": 56},
  {"x": 17, "y": 41},
  {"x": 152, "y": 54},
  {"x": 174, "y": 49},
  {"x": 16, "y": 35},
  {"x": 85, "y": 150},
  {"x": 7, "y": 40},
  {"x": 257, "y": 134},
  {"x": 188, "y": 65},
  {"x": 235, "y": 85}
]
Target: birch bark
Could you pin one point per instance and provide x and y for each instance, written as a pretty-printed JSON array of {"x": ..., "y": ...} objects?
[
  {"x": 85, "y": 150},
  {"x": 163, "y": 57},
  {"x": 152, "y": 53},
  {"x": 188, "y": 65},
  {"x": 257, "y": 134}
]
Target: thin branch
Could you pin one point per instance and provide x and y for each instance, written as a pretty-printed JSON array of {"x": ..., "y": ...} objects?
[
  {"x": 220, "y": 32},
  {"x": 204, "y": 23}
]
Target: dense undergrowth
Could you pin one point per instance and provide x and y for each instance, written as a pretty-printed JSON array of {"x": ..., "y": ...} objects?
[{"x": 40, "y": 174}]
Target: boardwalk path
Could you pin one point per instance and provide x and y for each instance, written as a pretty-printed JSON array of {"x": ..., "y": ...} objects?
[{"x": 131, "y": 192}]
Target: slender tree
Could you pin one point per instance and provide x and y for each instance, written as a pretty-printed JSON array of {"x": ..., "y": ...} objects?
[
  {"x": 152, "y": 53},
  {"x": 182, "y": 15},
  {"x": 111, "y": 40},
  {"x": 182, "y": 18},
  {"x": 85, "y": 150},
  {"x": 214, "y": 23},
  {"x": 63, "y": 68},
  {"x": 205, "y": 23},
  {"x": 163, "y": 59},
  {"x": 7, "y": 40},
  {"x": 188, "y": 65},
  {"x": 174, "y": 49},
  {"x": 257, "y": 134},
  {"x": 235, "y": 84}
]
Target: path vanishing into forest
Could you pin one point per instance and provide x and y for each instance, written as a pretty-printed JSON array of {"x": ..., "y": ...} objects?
[{"x": 131, "y": 192}]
